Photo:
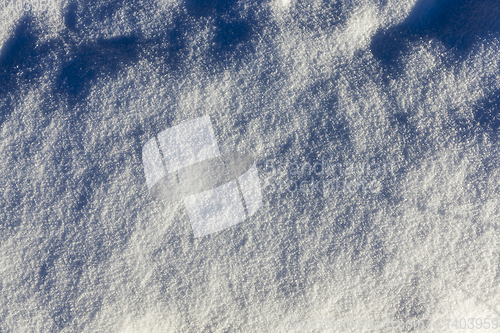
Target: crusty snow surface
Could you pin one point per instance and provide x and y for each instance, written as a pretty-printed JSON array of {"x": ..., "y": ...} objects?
[{"x": 397, "y": 103}]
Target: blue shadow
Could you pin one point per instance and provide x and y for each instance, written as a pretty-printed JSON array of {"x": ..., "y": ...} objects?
[{"x": 458, "y": 24}]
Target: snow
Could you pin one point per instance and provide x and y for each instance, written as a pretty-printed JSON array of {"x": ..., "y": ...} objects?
[{"x": 412, "y": 87}]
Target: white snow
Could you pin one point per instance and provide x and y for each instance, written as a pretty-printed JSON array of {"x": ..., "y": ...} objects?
[{"x": 85, "y": 248}]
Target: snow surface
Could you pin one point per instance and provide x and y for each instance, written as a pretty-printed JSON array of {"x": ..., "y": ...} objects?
[{"x": 401, "y": 97}]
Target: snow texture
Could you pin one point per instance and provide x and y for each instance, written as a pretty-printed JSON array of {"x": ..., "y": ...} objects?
[{"x": 374, "y": 127}]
